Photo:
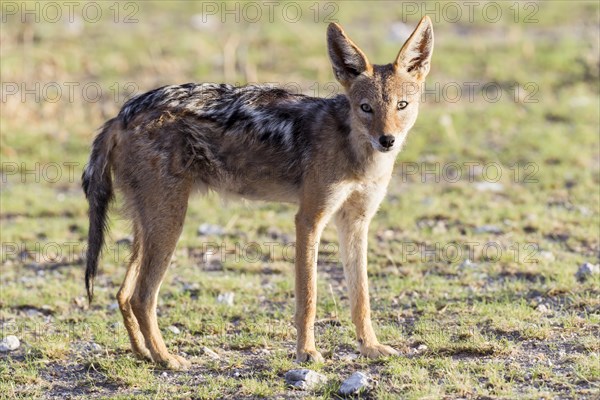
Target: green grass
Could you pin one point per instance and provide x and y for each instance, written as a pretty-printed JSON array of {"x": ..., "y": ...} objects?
[{"x": 465, "y": 329}]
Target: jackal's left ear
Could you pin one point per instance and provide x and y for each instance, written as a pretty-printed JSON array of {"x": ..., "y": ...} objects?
[
  {"x": 347, "y": 59},
  {"x": 415, "y": 55}
]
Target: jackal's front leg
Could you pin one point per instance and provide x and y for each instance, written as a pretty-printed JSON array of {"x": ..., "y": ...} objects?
[
  {"x": 353, "y": 224},
  {"x": 308, "y": 232}
]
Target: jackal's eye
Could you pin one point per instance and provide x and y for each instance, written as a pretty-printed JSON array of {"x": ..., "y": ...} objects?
[
  {"x": 366, "y": 108},
  {"x": 402, "y": 104}
]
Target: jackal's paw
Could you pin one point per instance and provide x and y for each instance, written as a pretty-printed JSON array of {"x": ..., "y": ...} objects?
[
  {"x": 377, "y": 350},
  {"x": 311, "y": 356},
  {"x": 142, "y": 354},
  {"x": 175, "y": 362}
]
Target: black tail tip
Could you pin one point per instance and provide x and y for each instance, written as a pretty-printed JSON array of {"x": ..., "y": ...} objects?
[{"x": 89, "y": 287}]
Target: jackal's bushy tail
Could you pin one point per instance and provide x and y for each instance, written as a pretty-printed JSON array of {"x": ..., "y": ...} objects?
[{"x": 98, "y": 188}]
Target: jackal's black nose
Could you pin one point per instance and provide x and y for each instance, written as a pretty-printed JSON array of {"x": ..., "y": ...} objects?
[{"x": 386, "y": 141}]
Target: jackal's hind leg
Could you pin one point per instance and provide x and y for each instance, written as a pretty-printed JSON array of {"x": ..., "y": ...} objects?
[
  {"x": 161, "y": 221},
  {"x": 124, "y": 296}
]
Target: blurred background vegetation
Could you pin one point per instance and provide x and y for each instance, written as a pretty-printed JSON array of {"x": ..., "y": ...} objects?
[{"x": 514, "y": 84}]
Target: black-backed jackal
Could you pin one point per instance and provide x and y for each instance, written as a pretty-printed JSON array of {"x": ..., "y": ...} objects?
[{"x": 333, "y": 157}]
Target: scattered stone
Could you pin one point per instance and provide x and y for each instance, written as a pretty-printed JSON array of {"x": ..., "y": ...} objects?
[
  {"x": 33, "y": 312},
  {"x": 422, "y": 347},
  {"x": 210, "y": 353},
  {"x": 547, "y": 255},
  {"x": 208, "y": 229},
  {"x": 467, "y": 264},
  {"x": 536, "y": 301},
  {"x": 46, "y": 309},
  {"x": 489, "y": 187},
  {"x": 94, "y": 348},
  {"x": 350, "y": 357},
  {"x": 562, "y": 353},
  {"x": 226, "y": 298},
  {"x": 587, "y": 270},
  {"x": 265, "y": 352},
  {"x": 427, "y": 201},
  {"x": 488, "y": 229},
  {"x": 113, "y": 306},
  {"x": 304, "y": 379},
  {"x": 164, "y": 374},
  {"x": 9, "y": 343},
  {"x": 584, "y": 210},
  {"x": 174, "y": 330},
  {"x": 191, "y": 287},
  {"x": 88, "y": 347},
  {"x": 439, "y": 228},
  {"x": 212, "y": 260},
  {"x": 356, "y": 383},
  {"x": 542, "y": 308},
  {"x": 579, "y": 101}
]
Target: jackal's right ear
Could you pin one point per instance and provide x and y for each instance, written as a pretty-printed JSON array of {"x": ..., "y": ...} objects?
[
  {"x": 415, "y": 55},
  {"x": 347, "y": 59}
]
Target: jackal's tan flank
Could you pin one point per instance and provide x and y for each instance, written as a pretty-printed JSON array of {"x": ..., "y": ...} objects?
[{"x": 333, "y": 157}]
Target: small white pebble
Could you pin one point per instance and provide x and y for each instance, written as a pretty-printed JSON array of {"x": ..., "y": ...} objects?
[
  {"x": 542, "y": 308},
  {"x": 356, "y": 383},
  {"x": 304, "y": 379},
  {"x": 226, "y": 298},
  {"x": 587, "y": 270},
  {"x": 94, "y": 348},
  {"x": 210, "y": 353},
  {"x": 9, "y": 343},
  {"x": 174, "y": 330},
  {"x": 349, "y": 357}
]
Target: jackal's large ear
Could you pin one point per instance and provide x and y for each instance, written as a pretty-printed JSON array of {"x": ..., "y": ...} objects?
[
  {"x": 415, "y": 55},
  {"x": 347, "y": 59}
]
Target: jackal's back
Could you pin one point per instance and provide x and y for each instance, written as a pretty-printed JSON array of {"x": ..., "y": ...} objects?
[
  {"x": 247, "y": 140},
  {"x": 267, "y": 113}
]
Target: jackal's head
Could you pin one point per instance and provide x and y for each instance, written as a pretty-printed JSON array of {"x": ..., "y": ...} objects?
[{"x": 384, "y": 98}]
